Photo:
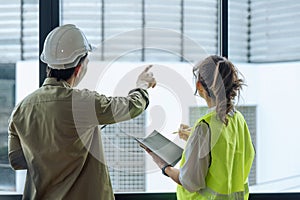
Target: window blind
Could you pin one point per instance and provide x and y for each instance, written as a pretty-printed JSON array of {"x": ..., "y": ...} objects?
[
  {"x": 30, "y": 27},
  {"x": 163, "y": 42},
  {"x": 275, "y": 30},
  {"x": 137, "y": 30},
  {"x": 238, "y": 30},
  {"x": 10, "y": 31},
  {"x": 201, "y": 26},
  {"x": 122, "y": 30}
]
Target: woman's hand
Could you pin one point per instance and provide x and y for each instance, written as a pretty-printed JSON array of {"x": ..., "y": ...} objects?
[
  {"x": 184, "y": 131},
  {"x": 173, "y": 173},
  {"x": 160, "y": 162}
]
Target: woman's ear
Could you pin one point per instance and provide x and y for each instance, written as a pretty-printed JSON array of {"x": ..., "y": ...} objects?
[
  {"x": 202, "y": 92},
  {"x": 77, "y": 70},
  {"x": 199, "y": 86}
]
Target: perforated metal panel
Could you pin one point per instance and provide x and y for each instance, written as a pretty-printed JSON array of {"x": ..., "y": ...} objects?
[
  {"x": 125, "y": 158},
  {"x": 249, "y": 113}
]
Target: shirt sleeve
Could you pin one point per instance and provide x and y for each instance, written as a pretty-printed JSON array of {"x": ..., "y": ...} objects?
[
  {"x": 111, "y": 110},
  {"x": 197, "y": 159},
  {"x": 90, "y": 109},
  {"x": 15, "y": 153}
]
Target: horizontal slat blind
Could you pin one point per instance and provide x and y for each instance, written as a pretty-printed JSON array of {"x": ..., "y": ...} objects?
[
  {"x": 122, "y": 30},
  {"x": 271, "y": 34},
  {"x": 137, "y": 30},
  {"x": 164, "y": 42},
  {"x": 200, "y": 25},
  {"x": 30, "y": 35},
  {"x": 238, "y": 30},
  {"x": 86, "y": 15},
  {"x": 10, "y": 31},
  {"x": 275, "y": 30}
]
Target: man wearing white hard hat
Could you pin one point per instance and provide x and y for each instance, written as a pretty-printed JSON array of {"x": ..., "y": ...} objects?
[{"x": 53, "y": 132}]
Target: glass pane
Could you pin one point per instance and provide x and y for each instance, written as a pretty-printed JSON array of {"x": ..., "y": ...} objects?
[
  {"x": 10, "y": 48},
  {"x": 200, "y": 25},
  {"x": 18, "y": 43},
  {"x": 262, "y": 40},
  {"x": 7, "y": 100},
  {"x": 172, "y": 35},
  {"x": 89, "y": 19}
]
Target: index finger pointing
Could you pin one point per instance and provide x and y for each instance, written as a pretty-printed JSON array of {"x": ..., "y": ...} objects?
[{"x": 147, "y": 68}]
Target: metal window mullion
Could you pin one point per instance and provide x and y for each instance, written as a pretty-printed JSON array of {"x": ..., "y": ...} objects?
[
  {"x": 224, "y": 28},
  {"x": 48, "y": 20},
  {"x": 22, "y": 29},
  {"x": 249, "y": 32},
  {"x": 143, "y": 31},
  {"x": 102, "y": 28},
  {"x": 182, "y": 31}
]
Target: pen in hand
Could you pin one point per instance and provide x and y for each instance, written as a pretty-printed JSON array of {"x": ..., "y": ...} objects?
[{"x": 183, "y": 132}]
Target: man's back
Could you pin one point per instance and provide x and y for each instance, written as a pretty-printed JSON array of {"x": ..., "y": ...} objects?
[
  {"x": 54, "y": 131},
  {"x": 60, "y": 165}
]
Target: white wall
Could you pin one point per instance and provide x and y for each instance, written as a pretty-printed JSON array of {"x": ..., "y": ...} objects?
[{"x": 274, "y": 88}]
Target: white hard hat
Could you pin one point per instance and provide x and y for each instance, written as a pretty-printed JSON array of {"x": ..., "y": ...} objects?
[{"x": 64, "y": 46}]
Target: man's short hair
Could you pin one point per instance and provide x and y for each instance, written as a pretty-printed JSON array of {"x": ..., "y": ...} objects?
[{"x": 63, "y": 74}]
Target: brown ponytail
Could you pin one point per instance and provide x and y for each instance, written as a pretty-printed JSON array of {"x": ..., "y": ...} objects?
[{"x": 221, "y": 81}]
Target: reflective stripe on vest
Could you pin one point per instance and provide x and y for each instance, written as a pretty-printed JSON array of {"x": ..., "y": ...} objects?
[{"x": 232, "y": 154}]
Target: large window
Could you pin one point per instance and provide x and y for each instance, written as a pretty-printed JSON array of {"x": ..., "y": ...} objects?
[
  {"x": 10, "y": 51},
  {"x": 146, "y": 30},
  {"x": 264, "y": 31},
  {"x": 7, "y": 101},
  {"x": 132, "y": 33},
  {"x": 172, "y": 35},
  {"x": 18, "y": 42},
  {"x": 262, "y": 37}
]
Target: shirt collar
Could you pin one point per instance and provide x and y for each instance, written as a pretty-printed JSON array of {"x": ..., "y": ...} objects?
[{"x": 54, "y": 82}]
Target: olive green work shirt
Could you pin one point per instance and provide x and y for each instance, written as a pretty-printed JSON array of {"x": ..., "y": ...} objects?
[{"x": 54, "y": 134}]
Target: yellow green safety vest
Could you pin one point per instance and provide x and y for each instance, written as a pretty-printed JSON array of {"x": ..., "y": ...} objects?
[{"x": 232, "y": 154}]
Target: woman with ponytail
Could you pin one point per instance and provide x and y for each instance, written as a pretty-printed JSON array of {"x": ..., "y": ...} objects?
[{"x": 219, "y": 153}]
